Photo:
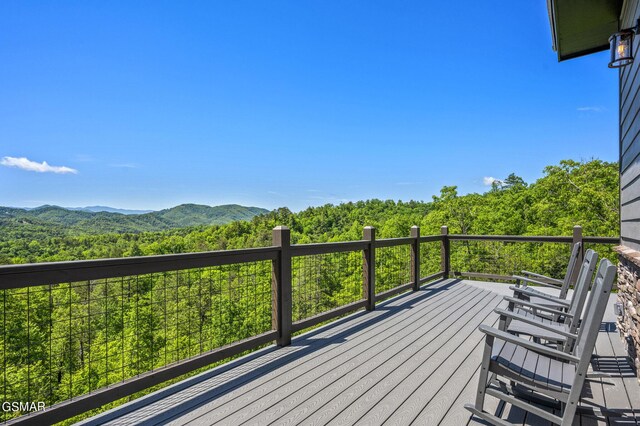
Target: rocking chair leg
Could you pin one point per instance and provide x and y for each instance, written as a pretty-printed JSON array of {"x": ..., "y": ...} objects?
[{"x": 484, "y": 378}]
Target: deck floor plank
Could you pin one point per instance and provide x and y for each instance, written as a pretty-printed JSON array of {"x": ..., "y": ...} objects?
[
  {"x": 593, "y": 392},
  {"x": 451, "y": 377},
  {"x": 608, "y": 362},
  {"x": 624, "y": 377},
  {"x": 316, "y": 359},
  {"x": 285, "y": 384},
  {"x": 329, "y": 392},
  {"x": 414, "y": 360},
  {"x": 381, "y": 393}
]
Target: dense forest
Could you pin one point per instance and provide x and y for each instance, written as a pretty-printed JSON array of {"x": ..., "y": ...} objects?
[
  {"x": 570, "y": 193},
  {"x": 68, "y": 339}
]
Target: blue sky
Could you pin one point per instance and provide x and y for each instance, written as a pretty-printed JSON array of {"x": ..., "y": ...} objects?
[{"x": 287, "y": 103}]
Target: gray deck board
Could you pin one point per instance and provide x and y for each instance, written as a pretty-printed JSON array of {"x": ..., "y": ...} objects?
[
  {"x": 381, "y": 402},
  {"x": 315, "y": 364},
  {"x": 607, "y": 361},
  {"x": 318, "y": 404},
  {"x": 448, "y": 381},
  {"x": 414, "y": 360},
  {"x": 620, "y": 367},
  {"x": 306, "y": 377}
]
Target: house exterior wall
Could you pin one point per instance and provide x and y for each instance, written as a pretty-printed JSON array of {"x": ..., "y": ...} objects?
[
  {"x": 629, "y": 250},
  {"x": 630, "y": 138}
]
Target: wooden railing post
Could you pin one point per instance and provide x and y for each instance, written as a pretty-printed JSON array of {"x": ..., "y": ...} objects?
[
  {"x": 577, "y": 238},
  {"x": 281, "y": 304},
  {"x": 415, "y": 258},
  {"x": 445, "y": 254},
  {"x": 369, "y": 268}
]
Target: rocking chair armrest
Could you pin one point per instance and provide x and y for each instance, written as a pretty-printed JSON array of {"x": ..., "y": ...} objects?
[
  {"x": 524, "y": 290},
  {"x": 515, "y": 316},
  {"x": 534, "y": 281},
  {"x": 527, "y": 344},
  {"x": 549, "y": 309},
  {"x": 540, "y": 276}
]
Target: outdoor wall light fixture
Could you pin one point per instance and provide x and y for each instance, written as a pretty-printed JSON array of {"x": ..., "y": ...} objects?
[{"x": 621, "y": 45}]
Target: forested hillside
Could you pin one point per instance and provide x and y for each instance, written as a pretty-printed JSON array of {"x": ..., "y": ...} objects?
[
  {"x": 570, "y": 193},
  {"x": 46, "y": 221}
]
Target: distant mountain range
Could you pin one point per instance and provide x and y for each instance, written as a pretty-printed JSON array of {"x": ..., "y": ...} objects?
[
  {"x": 96, "y": 209},
  {"x": 101, "y": 219},
  {"x": 93, "y": 209}
]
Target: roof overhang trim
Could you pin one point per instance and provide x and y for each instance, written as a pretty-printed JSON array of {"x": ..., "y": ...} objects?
[{"x": 581, "y": 27}]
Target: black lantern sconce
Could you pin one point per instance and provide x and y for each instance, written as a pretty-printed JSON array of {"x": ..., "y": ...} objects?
[{"x": 621, "y": 45}]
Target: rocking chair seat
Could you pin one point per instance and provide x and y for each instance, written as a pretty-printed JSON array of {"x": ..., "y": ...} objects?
[
  {"x": 529, "y": 368},
  {"x": 522, "y": 328}
]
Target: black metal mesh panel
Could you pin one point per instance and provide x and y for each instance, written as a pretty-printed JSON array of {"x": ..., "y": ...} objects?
[
  {"x": 508, "y": 258},
  {"x": 65, "y": 340},
  {"x": 393, "y": 267},
  {"x": 429, "y": 258},
  {"x": 325, "y": 281}
]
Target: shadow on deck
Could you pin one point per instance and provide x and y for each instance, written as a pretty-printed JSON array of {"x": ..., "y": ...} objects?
[{"x": 414, "y": 360}]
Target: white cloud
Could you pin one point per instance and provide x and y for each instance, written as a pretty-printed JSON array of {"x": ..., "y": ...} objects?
[
  {"x": 590, "y": 108},
  {"x": 488, "y": 180},
  {"x": 33, "y": 166}
]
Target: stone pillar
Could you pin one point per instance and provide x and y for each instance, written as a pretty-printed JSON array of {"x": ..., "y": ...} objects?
[{"x": 629, "y": 297}]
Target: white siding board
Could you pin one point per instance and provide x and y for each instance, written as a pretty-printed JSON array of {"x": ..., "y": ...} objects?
[
  {"x": 630, "y": 176},
  {"x": 629, "y": 156},
  {"x": 631, "y": 191},
  {"x": 630, "y": 211},
  {"x": 630, "y": 125}
]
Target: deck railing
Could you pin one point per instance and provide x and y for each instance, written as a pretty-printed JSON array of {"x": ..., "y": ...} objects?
[
  {"x": 79, "y": 335},
  {"x": 498, "y": 257}
]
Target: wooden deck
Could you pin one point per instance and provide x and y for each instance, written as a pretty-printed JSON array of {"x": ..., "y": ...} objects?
[{"x": 414, "y": 360}]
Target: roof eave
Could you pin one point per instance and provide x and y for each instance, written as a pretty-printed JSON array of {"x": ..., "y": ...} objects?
[{"x": 582, "y": 27}]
